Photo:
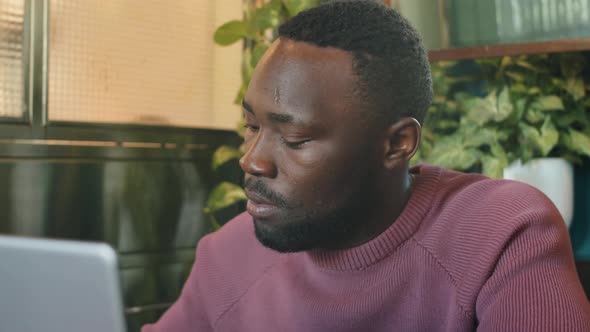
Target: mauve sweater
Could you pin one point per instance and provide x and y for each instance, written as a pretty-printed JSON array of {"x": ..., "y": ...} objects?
[{"x": 467, "y": 253}]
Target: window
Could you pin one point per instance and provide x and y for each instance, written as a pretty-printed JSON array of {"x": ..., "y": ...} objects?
[
  {"x": 11, "y": 58},
  {"x": 142, "y": 62}
]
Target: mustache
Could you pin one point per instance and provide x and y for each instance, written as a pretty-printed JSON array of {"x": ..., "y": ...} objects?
[{"x": 261, "y": 189}]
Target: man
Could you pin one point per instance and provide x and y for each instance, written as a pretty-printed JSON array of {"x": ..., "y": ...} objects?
[{"x": 340, "y": 235}]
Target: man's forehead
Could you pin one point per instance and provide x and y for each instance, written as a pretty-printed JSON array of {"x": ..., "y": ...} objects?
[
  {"x": 302, "y": 80},
  {"x": 285, "y": 49},
  {"x": 293, "y": 67}
]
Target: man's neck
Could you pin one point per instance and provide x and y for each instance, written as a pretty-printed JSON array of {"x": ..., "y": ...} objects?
[{"x": 389, "y": 204}]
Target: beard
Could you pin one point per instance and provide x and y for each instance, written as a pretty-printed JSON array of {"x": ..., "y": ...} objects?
[
  {"x": 294, "y": 234},
  {"x": 299, "y": 228}
]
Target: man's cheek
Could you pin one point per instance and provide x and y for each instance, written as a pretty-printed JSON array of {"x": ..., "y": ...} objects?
[{"x": 313, "y": 155}]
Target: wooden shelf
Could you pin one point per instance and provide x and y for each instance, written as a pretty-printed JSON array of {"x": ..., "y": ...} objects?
[{"x": 489, "y": 51}]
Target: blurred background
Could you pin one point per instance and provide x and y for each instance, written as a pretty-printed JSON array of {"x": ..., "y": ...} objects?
[{"x": 119, "y": 122}]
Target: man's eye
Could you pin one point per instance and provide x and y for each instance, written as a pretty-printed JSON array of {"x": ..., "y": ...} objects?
[
  {"x": 295, "y": 144},
  {"x": 251, "y": 127}
]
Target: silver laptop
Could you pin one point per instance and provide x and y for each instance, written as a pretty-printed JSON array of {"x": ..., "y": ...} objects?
[{"x": 58, "y": 286}]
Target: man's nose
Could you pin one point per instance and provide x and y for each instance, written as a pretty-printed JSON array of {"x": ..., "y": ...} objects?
[{"x": 258, "y": 159}]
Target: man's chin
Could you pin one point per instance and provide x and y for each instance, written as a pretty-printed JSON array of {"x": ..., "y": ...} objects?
[{"x": 281, "y": 237}]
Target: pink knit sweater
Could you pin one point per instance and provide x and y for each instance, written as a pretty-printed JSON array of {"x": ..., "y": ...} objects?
[{"x": 467, "y": 254}]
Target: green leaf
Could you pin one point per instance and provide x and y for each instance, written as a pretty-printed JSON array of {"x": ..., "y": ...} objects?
[
  {"x": 240, "y": 95},
  {"x": 505, "y": 107},
  {"x": 444, "y": 64},
  {"x": 580, "y": 142},
  {"x": 247, "y": 69},
  {"x": 506, "y": 61},
  {"x": 276, "y": 5},
  {"x": 450, "y": 152},
  {"x": 263, "y": 18},
  {"x": 440, "y": 84},
  {"x": 518, "y": 77},
  {"x": 230, "y": 33},
  {"x": 224, "y": 195},
  {"x": 224, "y": 154},
  {"x": 482, "y": 136},
  {"x": 257, "y": 53},
  {"x": 558, "y": 82},
  {"x": 575, "y": 115},
  {"x": 425, "y": 148},
  {"x": 499, "y": 153},
  {"x": 212, "y": 220},
  {"x": 491, "y": 108},
  {"x": 492, "y": 167},
  {"x": 439, "y": 99},
  {"x": 575, "y": 87},
  {"x": 458, "y": 158},
  {"x": 524, "y": 154},
  {"x": 461, "y": 97},
  {"x": 446, "y": 124},
  {"x": 519, "y": 88},
  {"x": 520, "y": 107},
  {"x": 491, "y": 62},
  {"x": 534, "y": 115},
  {"x": 529, "y": 137},
  {"x": 549, "y": 137},
  {"x": 294, "y": 7},
  {"x": 533, "y": 140},
  {"x": 526, "y": 65},
  {"x": 481, "y": 110},
  {"x": 534, "y": 90},
  {"x": 451, "y": 106},
  {"x": 549, "y": 103}
]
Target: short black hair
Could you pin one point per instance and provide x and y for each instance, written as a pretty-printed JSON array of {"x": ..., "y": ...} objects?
[{"x": 388, "y": 55}]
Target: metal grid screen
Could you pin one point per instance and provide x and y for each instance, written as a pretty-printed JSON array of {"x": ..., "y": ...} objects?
[
  {"x": 131, "y": 62},
  {"x": 11, "y": 58}
]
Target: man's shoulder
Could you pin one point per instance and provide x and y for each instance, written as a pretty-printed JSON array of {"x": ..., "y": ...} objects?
[
  {"x": 228, "y": 262},
  {"x": 474, "y": 218},
  {"x": 460, "y": 197},
  {"x": 475, "y": 196},
  {"x": 239, "y": 230},
  {"x": 498, "y": 199},
  {"x": 482, "y": 207},
  {"x": 233, "y": 254},
  {"x": 235, "y": 244}
]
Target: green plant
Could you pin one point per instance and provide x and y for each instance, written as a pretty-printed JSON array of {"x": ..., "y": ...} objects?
[
  {"x": 257, "y": 30},
  {"x": 505, "y": 109}
]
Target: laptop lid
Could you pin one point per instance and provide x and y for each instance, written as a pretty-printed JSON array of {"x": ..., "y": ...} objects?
[{"x": 58, "y": 286}]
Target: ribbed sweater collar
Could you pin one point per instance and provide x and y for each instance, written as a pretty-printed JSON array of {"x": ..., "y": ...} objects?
[{"x": 408, "y": 222}]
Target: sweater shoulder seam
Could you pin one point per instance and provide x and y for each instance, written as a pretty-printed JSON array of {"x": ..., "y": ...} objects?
[
  {"x": 235, "y": 302},
  {"x": 465, "y": 311}
]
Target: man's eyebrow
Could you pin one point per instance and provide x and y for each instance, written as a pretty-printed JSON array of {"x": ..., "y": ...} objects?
[
  {"x": 281, "y": 118},
  {"x": 247, "y": 107},
  {"x": 273, "y": 117}
]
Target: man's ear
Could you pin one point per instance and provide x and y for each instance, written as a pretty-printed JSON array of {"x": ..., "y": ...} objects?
[{"x": 401, "y": 142}]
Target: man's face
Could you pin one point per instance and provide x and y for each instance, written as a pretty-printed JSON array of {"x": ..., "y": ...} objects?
[{"x": 311, "y": 157}]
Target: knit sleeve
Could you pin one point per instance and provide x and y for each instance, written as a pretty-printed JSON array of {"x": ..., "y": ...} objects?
[
  {"x": 188, "y": 312},
  {"x": 534, "y": 286}
]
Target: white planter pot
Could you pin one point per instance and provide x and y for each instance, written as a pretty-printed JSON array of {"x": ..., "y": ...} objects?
[{"x": 553, "y": 176}]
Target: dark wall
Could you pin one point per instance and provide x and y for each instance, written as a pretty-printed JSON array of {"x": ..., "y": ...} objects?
[{"x": 147, "y": 206}]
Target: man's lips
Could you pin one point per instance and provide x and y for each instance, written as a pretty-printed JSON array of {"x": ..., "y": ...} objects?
[
  {"x": 256, "y": 197},
  {"x": 259, "y": 206}
]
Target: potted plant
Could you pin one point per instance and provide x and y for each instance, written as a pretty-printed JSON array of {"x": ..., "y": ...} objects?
[{"x": 509, "y": 113}]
